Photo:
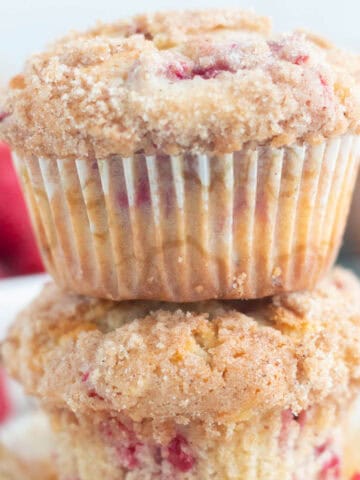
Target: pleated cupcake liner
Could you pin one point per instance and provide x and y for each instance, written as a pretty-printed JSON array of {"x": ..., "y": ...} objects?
[{"x": 185, "y": 228}]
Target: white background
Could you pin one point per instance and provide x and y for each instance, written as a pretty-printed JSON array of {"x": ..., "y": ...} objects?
[{"x": 27, "y": 25}]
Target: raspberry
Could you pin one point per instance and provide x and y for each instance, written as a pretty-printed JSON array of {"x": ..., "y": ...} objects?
[
  {"x": 178, "y": 454},
  {"x": 323, "y": 81},
  {"x": 3, "y": 115},
  {"x": 111, "y": 428},
  {"x": 179, "y": 71},
  {"x": 287, "y": 418},
  {"x": 275, "y": 47},
  {"x": 212, "y": 71},
  {"x": 301, "y": 418},
  {"x": 356, "y": 476},
  {"x": 323, "y": 447},
  {"x": 128, "y": 455},
  {"x": 301, "y": 59},
  {"x": 331, "y": 469},
  {"x": 92, "y": 394}
]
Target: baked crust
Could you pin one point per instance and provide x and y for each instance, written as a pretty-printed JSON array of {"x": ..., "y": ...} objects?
[
  {"x": 177, "y": 82},
  {"x": 212, "y": 361}
]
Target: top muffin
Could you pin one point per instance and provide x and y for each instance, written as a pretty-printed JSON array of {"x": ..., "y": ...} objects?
[{"x": 199, "y": 81}]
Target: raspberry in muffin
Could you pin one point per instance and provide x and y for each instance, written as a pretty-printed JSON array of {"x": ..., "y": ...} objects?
[
  {"x": 230, "y": 390},
  {"x": 185, "y": 156}
]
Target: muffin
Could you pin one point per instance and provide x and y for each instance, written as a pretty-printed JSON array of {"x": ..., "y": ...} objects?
[
  {"x": 13, "y": 467},
  {"x": 214, "y": 390},
  {"x": 187, "y": 156},
  {"x": 352, "y": 459}
]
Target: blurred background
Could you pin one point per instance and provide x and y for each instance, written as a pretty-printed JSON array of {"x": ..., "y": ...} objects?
[{"x": 27, "y": 26}]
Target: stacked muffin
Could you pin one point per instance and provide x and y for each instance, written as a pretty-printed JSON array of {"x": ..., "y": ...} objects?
[{"x": 190, "y": 157}]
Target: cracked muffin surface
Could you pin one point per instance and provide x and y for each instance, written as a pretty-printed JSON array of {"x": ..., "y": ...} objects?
[
  {"x": 180, "y": 81},
  {"x": 211, "y": 361}
]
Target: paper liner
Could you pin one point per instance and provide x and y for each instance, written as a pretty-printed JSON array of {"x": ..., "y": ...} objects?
[{"x": 184, "y": 228}]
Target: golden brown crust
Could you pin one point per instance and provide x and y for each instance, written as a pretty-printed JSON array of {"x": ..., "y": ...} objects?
[
  {"x": 222, "y": 361},
  {"x": 179, "y": 81}
]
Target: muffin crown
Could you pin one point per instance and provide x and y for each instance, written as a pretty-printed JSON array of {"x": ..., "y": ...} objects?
[
  {"x": 177, "y": 82},
  {"x": 215, "y": 362}
]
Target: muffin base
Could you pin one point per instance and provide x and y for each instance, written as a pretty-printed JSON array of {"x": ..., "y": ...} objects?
[{"x": 278, "y": 446}]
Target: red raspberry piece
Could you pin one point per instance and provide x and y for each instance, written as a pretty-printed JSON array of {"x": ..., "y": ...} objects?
[
  {"x": 323, "y": 81},
  {"x": 356, "y": 476},
  {"x": 212, "y": 71},
  {"x": 92, "y": 394},
  {"x": 3, "y": 115},
  {"x": 179, "y": 71},
  {"x": 331, "y": 469},
  {"x": 301, "y": 418},
  {"x": 287, "y": 418},
  {"x": 113, "y": 427},
  {"x": 178, "y": 454},
  {"x": 322, "y": 448},
  {"x": 275, "y": 47},
  {"x": 301, "y": 59},
  {"x": 128, "y": 455}
]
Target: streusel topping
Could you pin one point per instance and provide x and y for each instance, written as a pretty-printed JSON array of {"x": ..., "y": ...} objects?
[
  {"x": 177, "y": 82},
  {"x": 211, "y": 362}
]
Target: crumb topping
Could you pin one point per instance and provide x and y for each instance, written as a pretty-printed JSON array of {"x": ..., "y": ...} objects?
[
  {"x": 214, "y": 361},
  {"x": 177, "y": 82}
]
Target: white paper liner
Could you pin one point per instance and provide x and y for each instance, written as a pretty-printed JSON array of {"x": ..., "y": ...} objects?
[{"x": 185, "y": 228}]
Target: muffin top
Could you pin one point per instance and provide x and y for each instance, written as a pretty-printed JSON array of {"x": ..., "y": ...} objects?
[
  {"x": 175, "y": 82},
  {"x": 215, "y": 362}
]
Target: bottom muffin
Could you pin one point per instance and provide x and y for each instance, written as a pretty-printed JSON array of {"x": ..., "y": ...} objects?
[
  {"x": 274, "y": 446},
  {"x": 257, "y": 390},
  {"x": 14, "y": 467}
]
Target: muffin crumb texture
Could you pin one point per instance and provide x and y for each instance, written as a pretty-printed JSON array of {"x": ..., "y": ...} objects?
[
  {"x": 203, "y": 81},
  {"x": 214, "y": 362}
]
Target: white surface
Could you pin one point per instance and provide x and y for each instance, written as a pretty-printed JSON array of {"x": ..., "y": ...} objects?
[
  {"x": 15, "y": 294},
  {"x": 26, "y": 26},
  {"x": 29, "y": 436}
]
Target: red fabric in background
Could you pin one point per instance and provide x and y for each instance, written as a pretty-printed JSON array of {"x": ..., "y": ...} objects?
[
  {"x": 18, "y": 250},
  {"x": 5, "y": 409}
]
